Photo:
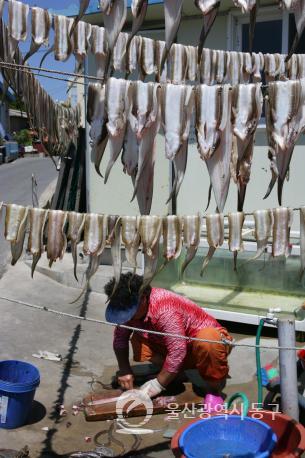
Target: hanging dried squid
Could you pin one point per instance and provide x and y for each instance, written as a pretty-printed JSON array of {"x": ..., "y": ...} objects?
[
  {"x": 96, "y": 118},
  {"x": 38, "y": 219},
  {"x": 138, "y": 10},
  {"x": 282, "y": 221},
  {"x": 236, "y": 221},
  {"x": 83, "y": 6},
  {"x": 99, "y": 49},
  {"x": 215, "y": 236},
  {"x": 191, "y": 238}
]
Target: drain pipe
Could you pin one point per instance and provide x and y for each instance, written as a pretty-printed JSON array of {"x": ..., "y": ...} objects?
[{"x": 288, "y": 368}]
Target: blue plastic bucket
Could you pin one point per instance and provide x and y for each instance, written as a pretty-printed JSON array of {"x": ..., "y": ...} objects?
[
  {"x": 228, "y": 436},
  {"x": 18, "y": 383}
]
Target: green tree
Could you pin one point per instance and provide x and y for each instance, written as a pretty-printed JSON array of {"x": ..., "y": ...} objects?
[{"x": 23, "y": 137}]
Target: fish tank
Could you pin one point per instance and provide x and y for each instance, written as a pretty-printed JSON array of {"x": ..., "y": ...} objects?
[{"x": 247, "y": 294}]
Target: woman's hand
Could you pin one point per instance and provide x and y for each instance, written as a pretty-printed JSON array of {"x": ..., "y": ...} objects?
[{"x": 126, "y": 381}]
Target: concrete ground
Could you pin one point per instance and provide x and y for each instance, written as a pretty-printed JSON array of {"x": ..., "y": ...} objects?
[{"x": 87, "y": 354}]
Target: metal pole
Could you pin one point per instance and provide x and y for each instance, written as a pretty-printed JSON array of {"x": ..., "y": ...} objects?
[{"x": 288, "y": 368}]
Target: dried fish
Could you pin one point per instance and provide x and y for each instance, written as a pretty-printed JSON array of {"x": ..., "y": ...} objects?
[
  {"x": 236, "y": 221},
  {"x": 159, "y": 49},
  {"x": 95, "y": 238},
  {"x": 81, "y": 40},
  {"x": 63, "y": 46},
  {"x": 144, "y": 119},
  {"x": 95, "y": 233},
  {"x": 99, "y": 49},
  {"x": 177, "y": 106},
  {"x": 83, "y": 6},
  {"x": 96, "y": 117},
  {"x": 117, "y": 110},
  {"x": 114, "y": 240},
  {"x": 192, "y": 57},
  {"x": 131, "y": 238},
  {"x": 119, "y": 53},
  {"x": 247, "y": 103},
  {"x": 191, "y": 238},
  {"x": 249, "y": 6},
  {"x": 114, "y": 15},
  {"x": 209, "y": 9},
  {"x": 208, "y": 66},
  {"x": 57, "y": 240},
  {"x": 138, "y": 9},
  {"x": 302, "y": 240},
  {"x": 145, "y": 185},
  {"x": 150, "y": 232},
  {"x": 214, "y": 136},
  {"x": 177, "y": 64},
  {"x": 172, "y": 12},
  {"x": 133, "y": 55},
  {"x": 17, "y": 24},
  {"x": 263, "y": 226},
  {"x": 282, "y": 221},
  {"x": 41, "y": 25},
  {"x": 258, "y": 63},
  {"x": 172, "y": 237},
  {"x": 215, "y": 236},
  {"x": 38, "y": 218},
  {"x": 147, "y": 57},
  {"x": 75, "y": 229},
  {"x": 285, "y": 119},
  {"x": 15, "y": 229},
  {"x": 297, "y": 7}
]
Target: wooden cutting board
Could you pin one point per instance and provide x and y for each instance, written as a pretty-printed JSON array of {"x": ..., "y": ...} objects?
[{"x": 185, "y": 398}]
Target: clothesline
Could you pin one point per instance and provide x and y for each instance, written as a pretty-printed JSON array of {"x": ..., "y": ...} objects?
[
  {"x": 203, "y": 216},
  {"x": 132, "y": 328},
  {"x": 26, "y": 68}
]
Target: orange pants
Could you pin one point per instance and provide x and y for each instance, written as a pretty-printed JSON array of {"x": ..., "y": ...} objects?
[{"x": 210, "y": 359}]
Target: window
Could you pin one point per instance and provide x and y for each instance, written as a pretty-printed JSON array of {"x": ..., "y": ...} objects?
[
  {"x": 267, "y": 37},
  {"x": 271, "y": 31}
]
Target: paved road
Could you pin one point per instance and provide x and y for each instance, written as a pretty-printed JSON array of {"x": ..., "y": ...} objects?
[{"x": 16, "y": 187}]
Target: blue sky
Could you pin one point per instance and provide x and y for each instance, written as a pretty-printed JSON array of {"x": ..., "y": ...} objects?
[{"x": 57, "y": 89}]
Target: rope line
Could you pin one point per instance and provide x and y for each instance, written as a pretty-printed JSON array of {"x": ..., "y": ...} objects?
[{"x": 131, "y": 328}]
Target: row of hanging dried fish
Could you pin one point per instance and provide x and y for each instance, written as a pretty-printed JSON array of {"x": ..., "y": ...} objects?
[
  {"x": 56, "y": 124},
  {"x": 128, "y": 53},
  {"x": 127, "y": 117},
  {"x": 50, "y": 230}
]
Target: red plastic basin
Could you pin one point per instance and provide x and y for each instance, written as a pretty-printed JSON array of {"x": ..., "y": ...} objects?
[{"x": 290, "y": 435}]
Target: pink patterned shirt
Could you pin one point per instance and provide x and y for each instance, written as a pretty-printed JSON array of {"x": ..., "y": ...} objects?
[{"x": 168, "y": 312}]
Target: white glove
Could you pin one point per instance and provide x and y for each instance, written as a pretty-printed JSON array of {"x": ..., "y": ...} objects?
[{"x": 152, "y": 388}]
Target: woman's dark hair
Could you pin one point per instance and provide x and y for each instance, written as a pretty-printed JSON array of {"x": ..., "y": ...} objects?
[{"x": 127, "y": 291}]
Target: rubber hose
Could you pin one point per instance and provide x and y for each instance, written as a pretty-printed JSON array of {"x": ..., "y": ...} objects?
[{"x": 258, "y": 364}]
